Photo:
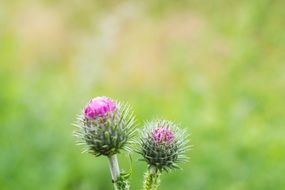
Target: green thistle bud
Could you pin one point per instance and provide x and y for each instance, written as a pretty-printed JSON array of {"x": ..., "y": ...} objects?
[
  {"x": 163, "y": 145},
  {"x": 105, "y": 127}
]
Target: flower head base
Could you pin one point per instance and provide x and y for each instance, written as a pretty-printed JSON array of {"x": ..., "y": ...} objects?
[
  {"x": 105, "y": 127},
  {"x": 99, "y": 107},
  {"x": 163, "y": 145}
]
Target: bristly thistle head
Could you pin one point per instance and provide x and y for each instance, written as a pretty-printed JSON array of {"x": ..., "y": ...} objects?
[
  {"x": 105, "y": 127},
  {"x": 163, "y": 145}
]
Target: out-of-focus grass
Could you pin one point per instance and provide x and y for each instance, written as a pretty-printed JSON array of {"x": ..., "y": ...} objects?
[{"x": 215, "y": 67}]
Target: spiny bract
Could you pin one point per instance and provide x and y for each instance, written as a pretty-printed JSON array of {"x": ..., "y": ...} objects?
[{"x": 163, "y": 145}]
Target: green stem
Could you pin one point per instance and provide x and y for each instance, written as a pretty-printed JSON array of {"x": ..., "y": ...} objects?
[
  {"x": 114, "y": 169},
  {"x": 119, "y": 181},
  {"x": 151, "y": 179}
]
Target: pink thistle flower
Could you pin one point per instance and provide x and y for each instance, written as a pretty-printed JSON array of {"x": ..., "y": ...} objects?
[
  {"x": 105, "y": 126},
  {"x": 163, "y": 145},
  {"x": 99, "y": 107},
  {"x": 162, "y": 135}
]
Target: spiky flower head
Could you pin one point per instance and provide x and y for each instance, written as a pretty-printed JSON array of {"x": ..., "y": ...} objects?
[
  {"x": 163, "y": 145},
  {"x": 105, "y": 127}
]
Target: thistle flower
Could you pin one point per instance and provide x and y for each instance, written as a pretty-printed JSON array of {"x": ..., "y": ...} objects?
[
  {"x": 162, "y": 145},
  {"x": 99, "y": 107},
  {"x": 162, "y": 135},
  {"x": 105, "y": 127}
]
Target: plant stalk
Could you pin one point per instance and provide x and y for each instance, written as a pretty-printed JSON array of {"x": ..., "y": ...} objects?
[
  {"x": 114, "y": 169},
  {"x": 151, "y": 179}
]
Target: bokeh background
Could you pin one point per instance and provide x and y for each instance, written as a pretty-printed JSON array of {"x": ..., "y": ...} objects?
[{"x": 215, "y": 67}]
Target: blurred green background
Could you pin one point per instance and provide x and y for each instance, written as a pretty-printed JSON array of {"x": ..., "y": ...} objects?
[{"x": 216, "y": 67}]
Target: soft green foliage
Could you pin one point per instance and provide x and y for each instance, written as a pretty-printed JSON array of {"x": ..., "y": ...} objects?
[{"x": 215, "y": 67}]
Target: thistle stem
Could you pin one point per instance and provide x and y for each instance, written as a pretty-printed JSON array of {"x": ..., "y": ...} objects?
[
  {"x": 151, "y": 179},
  {"x": 119, "y": 180},
  {"x": 114, "y": 169}
]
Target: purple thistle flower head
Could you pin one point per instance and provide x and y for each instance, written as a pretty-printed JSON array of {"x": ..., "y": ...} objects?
[
  {"x": 162, "y": 135},
  {"x": 105, "y": 126},
  {"x": 163, "y": 144},
  {"x": 99, "y": 107}
]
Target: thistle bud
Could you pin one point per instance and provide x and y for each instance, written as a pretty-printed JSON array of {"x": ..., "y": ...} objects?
[
  {"x": 105, "y": 127},
  {"x": 163, "y": 145}
]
